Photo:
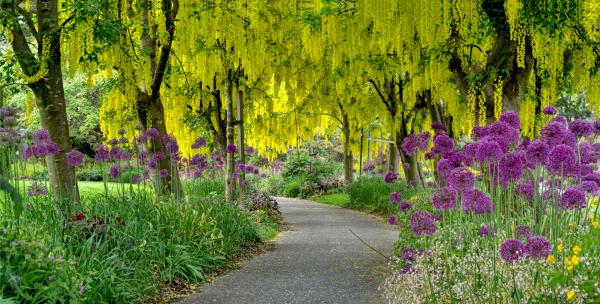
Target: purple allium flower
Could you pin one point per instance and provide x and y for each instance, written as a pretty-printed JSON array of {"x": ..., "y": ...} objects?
[
  {"x": 27, "y": 152},
  {"x": 537, "y": 153},
  {"x": 135, "y": 179},
  {"x": 512, "y": 251},
  {"x": 561, "y": 120},
  {"x": 488, "y": 151},
  {"x": 443, "y": 167},
  {"x": 114, "y": 171},
  {"x": 486, "y": 230},
  {"x": 586, "y": 154},
  {"x": 504, "y": 134},
  {"x": 597, "y": 127},
  {"x": 592, "y": 177},
  {"x": 158, "y": 156},
  {"x": 404, "y": 206},
  {"x": 523, "y": 231},
  {"x": 442, "y": 144},
  {"x": 123, "y": 140},
  {"x": 438, "y": 126},
  {"x": 249, "y": 150},
  {"x": 582, "y": 128},
  {"x": 392, "y": 220},
  {"x": 390, "y": 177},
  {"x": 74, "y": 158},
  {"x": 561, "y": 160},
  {"x": 572, "y": 198},
  {"x": 480, "y": 132},
  {"x": 152, "y": 133},
  {"x": 553, "y": 133},
  {"x": 423, "y": 223},
  {"x": 589, "y": 186},
  {"x": 249, "y": 169},
  {"x": 172, "y": 146},
  {"x": 235, "y": 176},
  {"x": 163, "y": 173},
  {"x": 113, "y": 141},
  {"x": 41, "y": 136},
  {"x": 444, "y": 199},
  {"x": 526, "y": 190},
  {"x": 461, "y": 179},
  {"x": 231, "y": 149},
  {"x": 409, "y": 254},
  {"x": 549, "y": 110},
  {"x": 115, "y": 153},
  {"x": 415, "y": 142},
  {"x": 512, "y": 119},
  {"x": 199, "y": 143},
  {"x": 511, "y": 168},
  {"x": 152, "y": 164},
  {"x": 469, "y": 152},
  {"x": 475, "y": 201},
  {"x": 538, "y": 247},
  {"x": 395, "y": 197},
  {"x": 102, "y": 154}
]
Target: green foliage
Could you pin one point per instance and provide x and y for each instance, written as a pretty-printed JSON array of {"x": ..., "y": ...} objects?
[
  {"x": 292, "y": 187},
  {"x": 372, "y": 194},
  {"x": 272, "y": 185},
  {"x": 336, "y": 199},
  {"x": 33, "y": 272},
  {"x": 205, "y": 188}
]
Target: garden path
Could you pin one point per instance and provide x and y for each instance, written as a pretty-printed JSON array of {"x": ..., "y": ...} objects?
[{"x": 317, "y": 260}]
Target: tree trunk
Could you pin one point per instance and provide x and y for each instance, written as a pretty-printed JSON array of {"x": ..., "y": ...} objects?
[
  {"x": 241, "y": 145},
  {"x": 229, "y": 168},
  {"x": 48, "y": 90},
  {"x": 348, "y": 163}
]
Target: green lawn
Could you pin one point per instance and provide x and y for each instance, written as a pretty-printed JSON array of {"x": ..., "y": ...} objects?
[
  {"x": 87, "y": 187},
  {"x": 337, "y": 199}
]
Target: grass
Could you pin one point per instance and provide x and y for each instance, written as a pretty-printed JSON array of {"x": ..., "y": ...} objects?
[
  {"x": 336, "y": 199},
  {"x": 126, "y": 248}
]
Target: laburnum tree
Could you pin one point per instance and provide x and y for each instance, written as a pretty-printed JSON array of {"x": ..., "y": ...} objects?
[{"x": 36, "y": 33}]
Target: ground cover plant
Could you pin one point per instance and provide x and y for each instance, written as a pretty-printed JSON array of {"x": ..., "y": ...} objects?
[
  {"x": 124, "y": 240},
  {"x": 510, "y": 219}
]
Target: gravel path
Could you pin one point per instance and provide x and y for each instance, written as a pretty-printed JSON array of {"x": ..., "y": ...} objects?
[{"x": 318, "y": 260}]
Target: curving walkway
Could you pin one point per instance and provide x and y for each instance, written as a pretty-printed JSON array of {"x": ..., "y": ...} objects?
[{"x": 318, "y": 260}]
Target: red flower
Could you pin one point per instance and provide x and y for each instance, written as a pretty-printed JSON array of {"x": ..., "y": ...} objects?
[{"x": 78, "y": 217}]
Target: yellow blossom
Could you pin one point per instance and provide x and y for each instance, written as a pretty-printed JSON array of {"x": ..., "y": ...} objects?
[
  {"x": 576, "y": 250},
  {"x": 559, "y": 247},
  {"x": 575, "y": 260},
  {"x": 568, "y": 264},
  {"x": 473, "y": 171},
  {"x": 550, "y": 259},
  {"x": 571, "y": 295},
  {"x": 595, "y": 224},
  {"x": 594, "y": 202}
]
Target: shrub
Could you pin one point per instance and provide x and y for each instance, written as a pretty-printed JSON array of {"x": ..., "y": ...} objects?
[
  {"x": 292, "y": 187},
  {"x": 371, "y": 193},
  {"x": 257, "y": 200},
  {"x": 90, "y": 174}
]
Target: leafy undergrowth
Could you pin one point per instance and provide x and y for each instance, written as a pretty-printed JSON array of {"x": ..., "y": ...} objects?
[
  {"x": 336, "y": 199},
  {"x": 123, "y": 248}
]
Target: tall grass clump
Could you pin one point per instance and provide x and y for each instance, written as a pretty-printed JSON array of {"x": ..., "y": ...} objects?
[
  {"x": 372, "y": 193},
  {"x": 510, "y": 220}
]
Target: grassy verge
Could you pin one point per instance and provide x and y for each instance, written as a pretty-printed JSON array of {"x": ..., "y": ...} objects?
[
  {"x": 336, "y": 199},
  {"x": 122, "y": 249}
]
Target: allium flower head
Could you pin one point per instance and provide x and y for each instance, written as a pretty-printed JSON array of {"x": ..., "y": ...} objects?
[
  {"x": 488, "y": 151},
  {"x": 392, "y": 220},
  {"x": 249, "y": 150},
  {"x": 444, "y": 199},
  {"x": 477, "y": 202},
  {"x": 390, "y": 177},
  {"x": 486, "y": 230},
  {"x": 549, "y": 110},
  {"x": 512, "y": 251},
  {"x": 152, "y": 133},
  {"x": 561, "y": 160},
  {"x": 589, "y": 186},
  {"x": 526, "y": 190},
  {"x": 572, "y": 198},
  {"x": 231, "y": 148},
  {"x": 163, "y": 173},
  {"x": 511, "y": 168},
  {"x": 442, "y": 144},
  {"x": 523, "y": 231},
  {"x": 438, "y": 126},
  {"x": 553, "y": 133},
  {"x": 461, "y": 179},
  {"x": 582, "y": 128},
  {"x": 37, "y": 189},
  {"x": 587, "y": 154},
  {"x": 480, "y": 132},
  {"x": 41, "y": 136},
  {"x": 395, "y": 197},
  {"x": 536, "y": 153},
  {"x": 423, "y": 223},
  {"x": 409, "y": 254},
  {"x": 560, "y": 119},
  {"x": 597, "y": 127},
  {"x": 114, "y": 171},
  {"x": 74, "y": 158},
  {"x": 538, "y": 247},
  {"x": 404, "y": 206},
  {"x": 512, "y": 119},
  {"x": 504, "y": 134},
  {"x": 102, "y": 154}
]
